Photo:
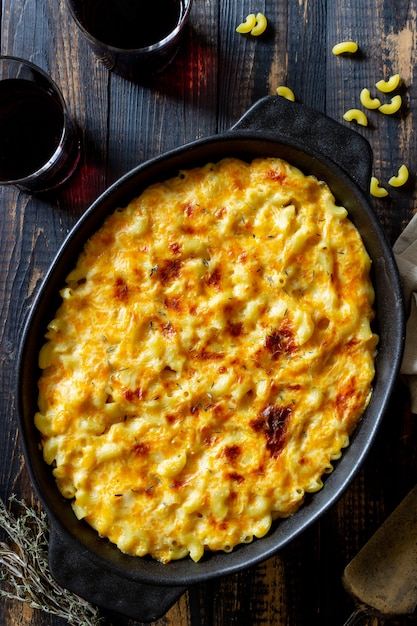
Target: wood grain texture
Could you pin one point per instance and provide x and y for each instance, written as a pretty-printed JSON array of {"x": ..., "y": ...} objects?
[{"x": 217, "y": 76}]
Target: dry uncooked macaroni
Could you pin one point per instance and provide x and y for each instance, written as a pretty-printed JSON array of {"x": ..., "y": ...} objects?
[
  {"x": 356, "y": 115},
  {"x": 286, "y": 92},
  {"x": 376, "y": 190},
  {"x": 401, "y": 178},
  {"x": 261, "y": 24},
  {"x": 211, "y": 357},
  {"x": 386, "y": 86},
  {"x": 345, "y": 47},
  {"x": 367, "y": 101},
  {"x": 391, "y": 107},
  {"x": 247, "y": 25}
]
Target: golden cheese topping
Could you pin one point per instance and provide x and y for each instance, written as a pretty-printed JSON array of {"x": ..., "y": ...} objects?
[{"x": 211, "y": 357}]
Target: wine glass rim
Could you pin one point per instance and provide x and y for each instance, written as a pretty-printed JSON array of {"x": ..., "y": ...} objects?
[{"x": 143, "y": 50}]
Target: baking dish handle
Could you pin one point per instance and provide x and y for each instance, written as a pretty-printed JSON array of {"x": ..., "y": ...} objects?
[
  {"x": 74, "y": 570},
  {"x": 295, "y": 123}
]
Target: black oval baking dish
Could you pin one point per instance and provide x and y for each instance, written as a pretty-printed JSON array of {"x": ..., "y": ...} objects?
[{"x": 142, "y": 588}]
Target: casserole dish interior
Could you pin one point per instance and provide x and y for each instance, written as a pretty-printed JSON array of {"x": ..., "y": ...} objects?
[{"x": 274, "y": 127}]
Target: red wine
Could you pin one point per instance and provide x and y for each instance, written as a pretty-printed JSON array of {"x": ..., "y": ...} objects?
[
  {"x": 31, "y": 123},
  {"x": 131, "y": 24}
]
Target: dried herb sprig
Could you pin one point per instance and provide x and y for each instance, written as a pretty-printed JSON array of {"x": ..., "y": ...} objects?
[{"x": 24, "y": 568}]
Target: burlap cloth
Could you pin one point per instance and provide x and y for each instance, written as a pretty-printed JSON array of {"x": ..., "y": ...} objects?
[{"x": 405, "y": 252}]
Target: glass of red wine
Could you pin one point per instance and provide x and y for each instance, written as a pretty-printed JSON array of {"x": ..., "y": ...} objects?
[
  {"x": 39, "y": 143},
  {"x": 133, "y": 38}
]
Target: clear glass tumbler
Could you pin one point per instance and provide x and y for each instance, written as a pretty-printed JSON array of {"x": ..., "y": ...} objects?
[
  {"x": 134, "y": 39},
  {"x": 39, "y": 143}
]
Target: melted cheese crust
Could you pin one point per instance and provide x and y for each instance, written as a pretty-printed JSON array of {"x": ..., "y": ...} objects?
[{"x": 211, "y": 357}]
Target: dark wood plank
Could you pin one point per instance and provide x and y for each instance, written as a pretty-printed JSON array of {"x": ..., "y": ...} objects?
[
  {"x": 385, "y": 49},
  {"x": 218, "y": 75}
]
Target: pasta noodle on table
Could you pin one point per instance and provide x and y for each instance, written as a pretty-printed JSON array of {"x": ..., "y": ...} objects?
[
  {"x": 356, "y": 115},
  {"x": 261, "y": 25},
  {"x": 345, "y": 47},
  {"x": 391, "y": 107},
  {"x": 401, "y": 178},
  {"x": 247, "y": 25},
  {"x": 367, "y": 101},
  {"x": 376, "y": 190},
  {"x": 286, "y": 92},
  {"x": 386, "y": 86}
]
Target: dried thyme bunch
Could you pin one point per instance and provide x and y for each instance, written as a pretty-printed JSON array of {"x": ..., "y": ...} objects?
[{"x": 24, "y": 567}]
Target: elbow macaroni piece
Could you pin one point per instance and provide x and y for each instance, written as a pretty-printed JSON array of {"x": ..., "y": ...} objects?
[
  {"x": 345, "y": 47},
  {"x": 386, "y": 86},
  {"x": 286, "y": 92},
  {"x": 376, "y": 190},
  {"x": 356, "y": 115},
  {"x": 246, "y": 27},
  {"x": 367, "y": 101},
  {"x": 391, "y": 107},
  {"x": 261, "y": 24},
  {"x": 401, "y": 178}
]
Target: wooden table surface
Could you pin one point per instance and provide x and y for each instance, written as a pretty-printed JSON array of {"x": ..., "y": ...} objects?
[{"x": 215, "y": 79}]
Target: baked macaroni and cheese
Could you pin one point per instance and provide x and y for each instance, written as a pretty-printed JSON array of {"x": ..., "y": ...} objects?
[{"x": 212, "y": 354}]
